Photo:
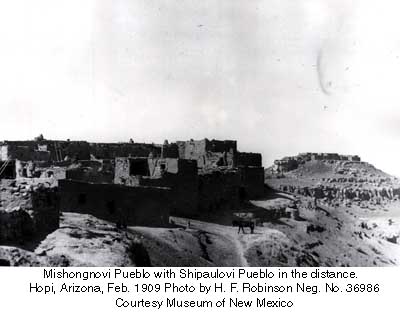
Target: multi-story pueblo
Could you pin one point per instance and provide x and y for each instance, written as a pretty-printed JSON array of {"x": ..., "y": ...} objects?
[{"x": 194, "y": 202}]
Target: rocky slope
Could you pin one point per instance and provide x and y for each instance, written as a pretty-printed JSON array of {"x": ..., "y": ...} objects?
[
  {"x": 337, "y": 182},
  {"x": 81, "y": 240},
  {"x": 320, "y": 213},
  {"x": 354, "y": 205}
]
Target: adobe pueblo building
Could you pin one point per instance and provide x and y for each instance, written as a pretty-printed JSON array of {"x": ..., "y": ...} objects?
[
  {"x": 126, "y": 183},
  {"x": 290, "y": 163}
]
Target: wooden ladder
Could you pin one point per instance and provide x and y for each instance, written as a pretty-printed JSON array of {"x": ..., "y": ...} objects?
[
  {"x": 3, "y": 167},
  {"x": 58, "y": 152}
]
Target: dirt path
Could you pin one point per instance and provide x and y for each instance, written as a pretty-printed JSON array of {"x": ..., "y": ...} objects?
[
  {"x": 242, "y": 260},
  {"x": 227, "y": 232}
]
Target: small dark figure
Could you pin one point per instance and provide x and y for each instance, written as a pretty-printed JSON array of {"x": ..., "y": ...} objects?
[
  {"x": 119, "y": 224},
  {"x": 252, "y": 227},
  {"x": 124, "y": 224},
  {"x": 241, "y": 226}
]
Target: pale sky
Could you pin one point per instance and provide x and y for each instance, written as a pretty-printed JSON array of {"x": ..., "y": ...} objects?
[{"x": 279, "y": 76}]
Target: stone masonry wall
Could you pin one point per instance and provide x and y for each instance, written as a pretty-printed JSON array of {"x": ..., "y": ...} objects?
[
  {"x": 249, "y": 159},
  {"x": 148, "y": 206},
  {"x": 27, "y": 211}
]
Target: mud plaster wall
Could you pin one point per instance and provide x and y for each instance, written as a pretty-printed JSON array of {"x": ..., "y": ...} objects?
[
  {"x": 219, "y": 190},
  {"x": 252, "y": 179},
  {"x": 170, "y": 151},
  {"x": 191, "y": 192},
  {"x": 92, "y": 171},
  {"x": 208, "y": 153},
  {"x": 20, "y": 152},
  {"x": 121, "y": 170},
  {"x": 33, "y": 169},
  {"x": 81, "y": 150},
  {"x": 124, "y": 167},
  {"x": 217, "y": 159},
  {"x": 4, "y": 152},
  {"x": 23, "y": 150},
  {"x": 73, "y": 149},
  {"x": 194, "y": 150},
  {"x": 46, "y": 150},
  {"x": 181, "y": 149},
  {"x": 26, "y": 215},
  {"x": 45, "y": 210},
  {"x": 15, "y": 225},
  {"x": 134, "y": 205},
  {"x": 182, "y": 167},
  {"x": 202, "y": 146},
  {"x": 111, "y": 151},
  {"x": 221, "y": 146},
  {"x": 184, "y": 192},
  {"x": 59, "y": 150},
  {"x": 178, "y": 174},
  {"x": 181, "y": 176},
  {"x": 249, "y": 159},
  {"x": 87, "y": 174}
]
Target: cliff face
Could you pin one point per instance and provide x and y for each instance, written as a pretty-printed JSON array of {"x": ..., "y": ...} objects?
[
  {"x": 349, "y": 204},
  {"x": 335, "y": 181}
]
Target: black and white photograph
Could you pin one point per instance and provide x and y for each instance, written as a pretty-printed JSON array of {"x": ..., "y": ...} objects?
[{"x": 214, "y": 133}]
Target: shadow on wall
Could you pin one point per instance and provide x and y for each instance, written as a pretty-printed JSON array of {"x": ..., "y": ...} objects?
[{"x": 125, "y": 205}]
